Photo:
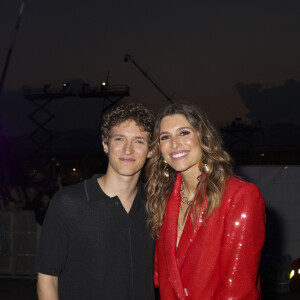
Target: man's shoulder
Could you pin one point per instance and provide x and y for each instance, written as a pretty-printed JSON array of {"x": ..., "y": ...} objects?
[
  {"x": 74, "y": 193},
  {"x": 70, "y": 191}
]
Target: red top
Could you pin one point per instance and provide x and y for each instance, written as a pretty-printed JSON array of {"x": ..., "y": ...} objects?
[{"x": 218, "y": 260}]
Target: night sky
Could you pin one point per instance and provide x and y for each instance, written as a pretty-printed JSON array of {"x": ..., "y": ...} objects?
[{"x": 196, "y": 50}]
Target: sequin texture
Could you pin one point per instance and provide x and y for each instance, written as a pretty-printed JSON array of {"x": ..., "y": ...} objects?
[{"x": 219, "y": 260}]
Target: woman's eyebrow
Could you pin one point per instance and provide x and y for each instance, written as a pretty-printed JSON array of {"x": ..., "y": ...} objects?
[
  {"x": 178, "y": 129},
  {"x": 184, "y": 127},
  {"x": 164, "y": 132}
]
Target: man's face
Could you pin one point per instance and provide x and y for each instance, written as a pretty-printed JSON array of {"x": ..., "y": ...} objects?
[{"x": 127, "y": 149}]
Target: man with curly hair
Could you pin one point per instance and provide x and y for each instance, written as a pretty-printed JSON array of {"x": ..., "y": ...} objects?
[{"x": 95, "y": 242}]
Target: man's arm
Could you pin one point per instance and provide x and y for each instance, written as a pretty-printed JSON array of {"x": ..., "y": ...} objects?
[
  {"x": 47, "y": 287},
  {"x": 52, "y": 250}
]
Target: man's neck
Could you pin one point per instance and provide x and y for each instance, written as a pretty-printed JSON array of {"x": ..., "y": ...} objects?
[{"x": 125, "y": 187}]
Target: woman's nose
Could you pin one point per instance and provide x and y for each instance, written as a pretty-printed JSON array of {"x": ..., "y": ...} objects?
[{"x": 175, "y": 142}]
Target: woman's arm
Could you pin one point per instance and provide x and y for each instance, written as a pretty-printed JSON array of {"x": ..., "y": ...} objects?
[{"x": 243, "y": 242}]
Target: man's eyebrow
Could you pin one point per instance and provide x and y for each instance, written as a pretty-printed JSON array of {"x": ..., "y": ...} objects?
[
  {"x": 112, "y": 136},
  {"x": 123, "y": 135},
  {"x": 117, "y": 134},
  {"x": 178, "y": 129}
]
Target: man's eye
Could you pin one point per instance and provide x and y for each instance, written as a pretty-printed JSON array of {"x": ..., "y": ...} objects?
[
  {"x": 185, "y": 132},
  {"x": 140, "y": 142}
]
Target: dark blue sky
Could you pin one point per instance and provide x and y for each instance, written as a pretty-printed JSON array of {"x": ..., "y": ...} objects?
[{"x": 196, "y": 50}]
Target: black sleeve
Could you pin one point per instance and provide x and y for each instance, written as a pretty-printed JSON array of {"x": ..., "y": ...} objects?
[{"x": 52, "y": 249}]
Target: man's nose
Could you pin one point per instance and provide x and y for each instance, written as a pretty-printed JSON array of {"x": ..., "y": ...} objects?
[{"x": 128, "y": 148}]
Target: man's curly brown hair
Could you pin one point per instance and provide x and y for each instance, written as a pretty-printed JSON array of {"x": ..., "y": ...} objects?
[{"x": 142, "y": 116}]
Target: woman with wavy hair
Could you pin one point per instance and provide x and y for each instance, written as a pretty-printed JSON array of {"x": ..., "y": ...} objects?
[{"x": 209, "y": 224}]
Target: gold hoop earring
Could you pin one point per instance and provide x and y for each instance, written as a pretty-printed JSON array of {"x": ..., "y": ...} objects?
[
  {"x": 203, "y": 167},
  {"x": 166, "y": 172}
]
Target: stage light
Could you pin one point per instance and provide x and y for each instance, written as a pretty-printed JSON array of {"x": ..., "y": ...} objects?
[{"x": 292, "y": 274}]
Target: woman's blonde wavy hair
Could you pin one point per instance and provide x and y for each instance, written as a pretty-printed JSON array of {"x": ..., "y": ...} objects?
[{"x": 212, "y": 185}]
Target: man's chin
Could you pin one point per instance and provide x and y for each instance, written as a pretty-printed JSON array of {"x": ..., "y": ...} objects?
[{"x": 129, "y": 173}]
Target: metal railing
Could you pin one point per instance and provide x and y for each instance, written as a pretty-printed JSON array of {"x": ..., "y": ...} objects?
[{"x": 18, "y": 242}]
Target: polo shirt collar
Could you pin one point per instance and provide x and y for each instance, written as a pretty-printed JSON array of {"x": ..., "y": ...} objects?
[{"x": 93, "y": 192}]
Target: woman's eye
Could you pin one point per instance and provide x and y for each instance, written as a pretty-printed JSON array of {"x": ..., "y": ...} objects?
[
  {"x": 140, "y": 142},
  {"x": 164, "y": 137},
  {"x": 185, "y": 132}
]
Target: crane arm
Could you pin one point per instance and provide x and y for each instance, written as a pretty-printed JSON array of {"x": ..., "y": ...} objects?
[{"x": 128, "y": 57}]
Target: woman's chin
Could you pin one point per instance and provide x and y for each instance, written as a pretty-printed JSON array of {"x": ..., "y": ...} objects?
[{"x": 188, "y": 169}]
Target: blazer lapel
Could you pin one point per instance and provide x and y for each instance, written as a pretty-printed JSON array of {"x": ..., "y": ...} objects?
[{"x": 170, "y": 237}]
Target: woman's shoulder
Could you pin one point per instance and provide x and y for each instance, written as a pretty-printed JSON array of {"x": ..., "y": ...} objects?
[
  {"x": 237, "y": 185},
  {"x": 243, "y": 197}
]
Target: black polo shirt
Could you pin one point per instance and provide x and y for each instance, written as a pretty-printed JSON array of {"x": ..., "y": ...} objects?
[{"x": 97, "y": 249}]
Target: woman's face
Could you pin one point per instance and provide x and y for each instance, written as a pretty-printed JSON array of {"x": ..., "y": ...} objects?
[{"x": 179, "y": 144}]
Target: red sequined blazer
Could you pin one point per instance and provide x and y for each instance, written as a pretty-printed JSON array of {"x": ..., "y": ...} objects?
[{"x": 218, "y": 260}]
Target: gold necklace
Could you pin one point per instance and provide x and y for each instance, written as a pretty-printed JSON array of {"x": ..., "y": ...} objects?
[{"x": 184, "y": 199}]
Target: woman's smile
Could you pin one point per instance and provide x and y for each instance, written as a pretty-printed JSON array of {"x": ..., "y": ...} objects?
[{"x": 179, "y": 155}]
